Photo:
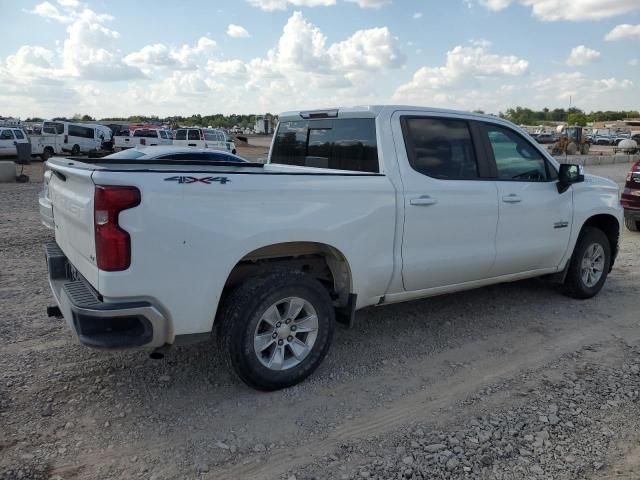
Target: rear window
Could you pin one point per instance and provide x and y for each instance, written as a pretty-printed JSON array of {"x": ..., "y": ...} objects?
[
  {"x": 181, "y": 134},
  {"x": 143, "y": 132},
  {"x": 340, "y": 144},
  {"x": 194, "y": 134},
  {"x": 53, "y": 127},
  {"x": 211, "y": 136}
]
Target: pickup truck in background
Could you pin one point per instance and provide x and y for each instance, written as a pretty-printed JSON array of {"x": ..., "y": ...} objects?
[
  {"x": 144, "y": 137},
  {"x": 46, "y": 145},
  {"x": 356, "y": 207}
]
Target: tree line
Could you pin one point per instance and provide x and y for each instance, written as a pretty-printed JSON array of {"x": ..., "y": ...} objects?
[{"x": 573, "y": 116}]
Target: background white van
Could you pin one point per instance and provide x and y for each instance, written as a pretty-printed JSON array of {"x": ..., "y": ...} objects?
[
  {"x": 204, "y": 138},
  {"x": 80, "y": 137}
]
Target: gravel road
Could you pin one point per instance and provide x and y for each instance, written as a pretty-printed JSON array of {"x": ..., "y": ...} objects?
[{"x": 513, "y": 381}]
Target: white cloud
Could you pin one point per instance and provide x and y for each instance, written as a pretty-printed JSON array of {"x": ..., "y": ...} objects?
[
  {"x": 582, "y": 89},
  {"x": 634, "y": 62},
  {"x": 89, "y": 51},
  {"x": 367, "y": 49},
  {"x": 582, "y": 55},
  {"x": 236, "y": 31},
  {"x": 417, "y": 15},
  {"x": 30, "y": 63},
  {"x": 235, "y": 69},
  {"x": 370, "y": 3},
  {"x": 271, "y": 5},
  {"x": 69, "y": 3},
  {"x": 623, "y": 31},
  {"x": 160, "y": 55},
  {"x": 51, "y": 12},
  {"x": 465, "y": 66},
  {"x": 572, "y": 10}
]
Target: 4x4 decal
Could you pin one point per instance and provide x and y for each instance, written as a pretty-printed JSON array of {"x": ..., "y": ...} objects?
[{"x": 207, "y": 180}]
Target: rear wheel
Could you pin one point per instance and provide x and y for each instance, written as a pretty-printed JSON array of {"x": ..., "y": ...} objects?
[
  {"x": 632, "y": 224},
  {"x": 589, "y": 265},
  {"x": 276, "y": 329},
  {"x": 75, "y": 150}
]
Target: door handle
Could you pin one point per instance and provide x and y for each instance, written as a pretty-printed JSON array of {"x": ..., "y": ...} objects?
[
  {"x": 191, "y": 144},
  {"x": 511, "y": 198},
  {"x": 423, "y": 201}
]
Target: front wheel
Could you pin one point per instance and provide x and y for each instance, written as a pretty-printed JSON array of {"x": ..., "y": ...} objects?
[
  {"x": 276, "y": 329},
  {"x": 589, "y": 265}
]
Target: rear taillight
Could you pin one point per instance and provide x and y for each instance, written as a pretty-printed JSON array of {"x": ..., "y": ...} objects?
[
  {"x": 66, "y": 139},
  {"x": 113, "y": 244},
  {"x": 143, "y": 141},
  {"x": 635, "y": 168}
]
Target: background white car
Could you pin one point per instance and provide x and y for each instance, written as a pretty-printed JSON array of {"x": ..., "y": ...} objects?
[{"x": 9, "y": 138}]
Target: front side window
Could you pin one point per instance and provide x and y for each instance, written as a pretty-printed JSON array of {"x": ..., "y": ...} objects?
[
  {"x": 440, "y": 147},
  {"x": 516, "y": 159},
  {"x": 162, "y": 134},
  {"x": 194, "y": 135},
  {"x": 19, "y": 134},
  {"x": 340, "y": 144},
  {"x": 6, "y": 135}
]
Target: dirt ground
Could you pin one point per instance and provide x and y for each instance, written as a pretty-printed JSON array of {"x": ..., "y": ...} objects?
[{"x": 514, "y": 381}]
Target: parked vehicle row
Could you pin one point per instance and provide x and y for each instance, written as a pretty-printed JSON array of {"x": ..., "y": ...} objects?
[{"x": 356, "y": 207}]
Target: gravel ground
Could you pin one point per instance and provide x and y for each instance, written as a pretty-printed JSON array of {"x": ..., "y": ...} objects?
[{"x": 513, "y": 381}]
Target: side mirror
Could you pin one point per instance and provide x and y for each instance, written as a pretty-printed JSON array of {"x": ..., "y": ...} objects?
[{"x": 568, "y": 175}]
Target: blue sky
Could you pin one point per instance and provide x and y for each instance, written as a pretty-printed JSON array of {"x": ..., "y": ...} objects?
[{"x": 60, "y": 57}]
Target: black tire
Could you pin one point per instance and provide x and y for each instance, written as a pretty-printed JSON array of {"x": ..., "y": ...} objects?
[
  {"x": 632, "y": 224},
  {"x": 574, "y": 285},
  {"x": 75, "y": 150},
  {"x": 46, "y": 154},
  {"x": 241, "y": 312}
]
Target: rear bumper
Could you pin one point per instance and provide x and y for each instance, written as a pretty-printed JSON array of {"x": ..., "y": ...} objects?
[{"x": 100, "y": 324}]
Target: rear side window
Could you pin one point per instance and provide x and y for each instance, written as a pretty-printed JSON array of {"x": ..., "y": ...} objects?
[
  {"x": 194, "y": 134},
  {"x": 79, "y": 131},
  {"x": 210, "y": 136},
  {"x": 341, "y": 144},
  {"x": 440, "y": 147},
  {"x": 181, "y": 134},
  {"x": 19, "y": 134},
  {"x": 53, "y": 127}
]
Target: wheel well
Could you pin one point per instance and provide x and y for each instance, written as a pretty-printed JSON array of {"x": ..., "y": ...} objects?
[
  {"x": 611, "y": 228},
  {"x": 325, "y": 263}
]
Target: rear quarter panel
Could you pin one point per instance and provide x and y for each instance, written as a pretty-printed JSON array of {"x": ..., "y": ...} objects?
[{"x": 186, "y": 238}]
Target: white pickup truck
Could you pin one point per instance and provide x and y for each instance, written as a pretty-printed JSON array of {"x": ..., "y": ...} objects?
[{"x": 356, "y": 207}]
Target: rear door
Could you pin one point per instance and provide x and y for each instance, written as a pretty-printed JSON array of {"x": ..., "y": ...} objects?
[
  {"x": 450, "y": 204},
  {"x": 535, "y": 220},
  {"x": 193, "y": 137},
  {"x": 7, "y": 143}
]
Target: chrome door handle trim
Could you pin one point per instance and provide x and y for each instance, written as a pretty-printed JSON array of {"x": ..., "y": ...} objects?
[
  {"x": 423, "y": 201},
  {"x": 512, "y": 198}
]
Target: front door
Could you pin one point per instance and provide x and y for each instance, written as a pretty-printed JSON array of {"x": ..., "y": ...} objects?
[
  {"x": 535, "y": 220},
  {"x": 450, "y": 209}
]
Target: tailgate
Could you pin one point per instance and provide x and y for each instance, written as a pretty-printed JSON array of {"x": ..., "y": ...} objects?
[{"x": 71, "y": 193}]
